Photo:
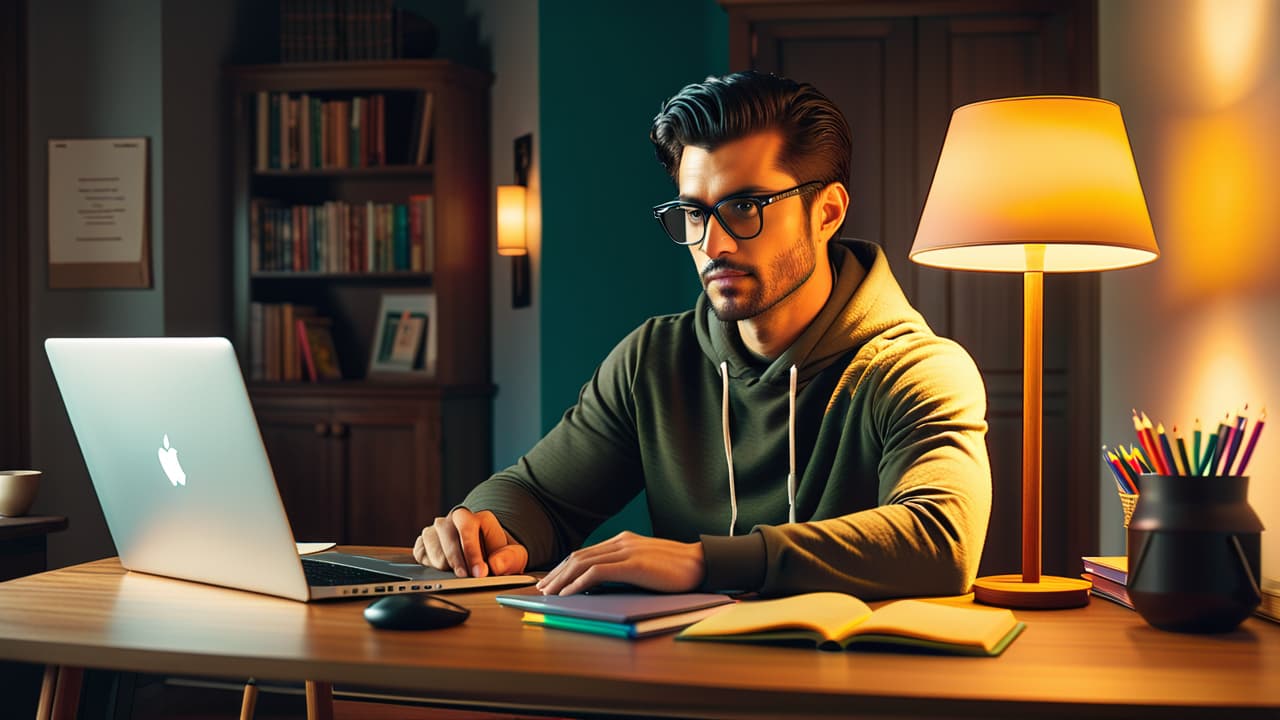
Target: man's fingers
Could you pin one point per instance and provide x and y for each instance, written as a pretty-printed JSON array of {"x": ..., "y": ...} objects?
[
  {"x": 470, "y": 527},
  {"x": 447, "y": 532},
  {"x": 509, "y": 559}
]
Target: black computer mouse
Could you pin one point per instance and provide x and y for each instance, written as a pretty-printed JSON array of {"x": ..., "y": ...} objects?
[{"x": 420, "y": 611}]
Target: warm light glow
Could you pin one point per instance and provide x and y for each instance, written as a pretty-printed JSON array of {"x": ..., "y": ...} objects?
[
  {"x": 1024, "y": 173},
  {"x": 1230, "y": 37},
  {"x": 511, "y": 220},
  {"x": 1217, "y": 206}
]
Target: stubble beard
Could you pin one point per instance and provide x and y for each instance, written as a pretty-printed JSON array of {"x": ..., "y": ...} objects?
[{"x": 790, "y": 271}]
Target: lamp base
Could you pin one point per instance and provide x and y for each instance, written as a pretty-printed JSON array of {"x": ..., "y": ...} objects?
[{"x": 1051, "y": 593}]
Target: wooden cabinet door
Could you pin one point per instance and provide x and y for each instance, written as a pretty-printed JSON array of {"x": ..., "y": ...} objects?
[
  {"x": 308, "y": 468},
  {"x": 897, "y": 70},
  {"x": 392, "y": 469}
]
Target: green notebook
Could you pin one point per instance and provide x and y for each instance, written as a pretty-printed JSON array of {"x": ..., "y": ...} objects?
[{"x": 835, "y": 621}]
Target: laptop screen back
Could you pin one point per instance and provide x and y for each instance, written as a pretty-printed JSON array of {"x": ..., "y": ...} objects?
[{"x": 172, "y": 446}]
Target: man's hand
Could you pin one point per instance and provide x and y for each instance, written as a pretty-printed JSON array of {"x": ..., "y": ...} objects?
[
  {"x": 470, "y": 544},
  {"x": 662, "y": 565}
]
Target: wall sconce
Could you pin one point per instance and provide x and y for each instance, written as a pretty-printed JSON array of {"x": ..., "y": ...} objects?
[{"x": 512, "y": 222}]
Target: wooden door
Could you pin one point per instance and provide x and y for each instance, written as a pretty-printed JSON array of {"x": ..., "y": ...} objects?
[
  {"x": 392, "y": 457},
  {"x": 307, "y": 460},
  {"x": 897, "y": 70}
]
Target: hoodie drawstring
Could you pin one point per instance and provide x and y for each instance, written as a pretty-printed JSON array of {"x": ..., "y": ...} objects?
[{"x": 728, "y": 447}]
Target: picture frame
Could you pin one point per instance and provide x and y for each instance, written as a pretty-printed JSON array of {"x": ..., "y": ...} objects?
[{"x": 404, "y": 339}]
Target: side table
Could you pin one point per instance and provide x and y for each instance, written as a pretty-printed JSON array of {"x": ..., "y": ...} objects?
[{"x": 22, "y": 544}]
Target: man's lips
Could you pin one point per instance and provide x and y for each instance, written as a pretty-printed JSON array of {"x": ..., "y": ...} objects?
[{"x": 724, "y": 275}]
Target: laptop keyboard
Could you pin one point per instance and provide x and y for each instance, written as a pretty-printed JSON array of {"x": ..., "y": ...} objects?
[{"x": 328, "y": 574}]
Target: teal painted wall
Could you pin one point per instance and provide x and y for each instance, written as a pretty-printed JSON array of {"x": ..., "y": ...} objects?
[{"x": 605, "y": 69}]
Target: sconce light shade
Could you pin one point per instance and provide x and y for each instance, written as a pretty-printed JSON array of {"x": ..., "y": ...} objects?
[
  {"x": 511, "y": 220},
  {"x": 1053, "y": 173}
]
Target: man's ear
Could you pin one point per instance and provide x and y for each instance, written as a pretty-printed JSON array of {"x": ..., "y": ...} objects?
[{"x": 829, "y": 210}]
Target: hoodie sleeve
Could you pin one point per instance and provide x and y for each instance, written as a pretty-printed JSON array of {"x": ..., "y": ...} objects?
[
  {"x": 578, "y": 475},
  {"x": 925, "y": 537}
]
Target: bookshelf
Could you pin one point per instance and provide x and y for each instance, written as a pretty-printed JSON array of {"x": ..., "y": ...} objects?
[{"x": 372, "y": 457}]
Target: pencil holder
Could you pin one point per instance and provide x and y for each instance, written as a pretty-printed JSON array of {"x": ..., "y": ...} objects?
[{"x": 1194, "y": 547}]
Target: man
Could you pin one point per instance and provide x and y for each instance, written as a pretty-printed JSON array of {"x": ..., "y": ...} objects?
[{"x": 800, "y": 429}]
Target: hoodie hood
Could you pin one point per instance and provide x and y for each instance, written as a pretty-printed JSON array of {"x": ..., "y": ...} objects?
[{"x": 866, "y": 302}]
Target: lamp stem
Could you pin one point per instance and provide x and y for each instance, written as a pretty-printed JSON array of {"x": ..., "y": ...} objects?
[{"x": 1032, "y": 398}]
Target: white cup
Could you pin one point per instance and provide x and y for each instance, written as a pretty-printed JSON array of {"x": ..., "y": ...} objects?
[{"x": 18, "y": 491}]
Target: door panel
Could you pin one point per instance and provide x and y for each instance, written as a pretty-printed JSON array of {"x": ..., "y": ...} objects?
[{"x": 897, "y": 79}]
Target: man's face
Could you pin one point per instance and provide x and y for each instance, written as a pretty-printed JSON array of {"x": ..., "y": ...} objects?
[{"x": 745, "y": 278}]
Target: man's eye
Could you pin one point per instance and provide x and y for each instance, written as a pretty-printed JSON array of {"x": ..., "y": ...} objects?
[
  {"x": 743, "y": 208},
  {"x": 693, "y": 215}
]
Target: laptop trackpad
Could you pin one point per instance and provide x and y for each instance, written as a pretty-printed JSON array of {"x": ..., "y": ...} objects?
[{"x": 408, "y": 571}]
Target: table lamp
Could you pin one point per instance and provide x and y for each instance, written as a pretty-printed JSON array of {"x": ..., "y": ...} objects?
[{"x": 1035, "y": 185}]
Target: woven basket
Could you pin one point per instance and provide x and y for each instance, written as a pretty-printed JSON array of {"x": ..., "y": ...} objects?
[{"x": 1127, "y": 502}]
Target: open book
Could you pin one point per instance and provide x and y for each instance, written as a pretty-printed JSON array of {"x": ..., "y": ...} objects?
[{"x": 834, "y": 621}]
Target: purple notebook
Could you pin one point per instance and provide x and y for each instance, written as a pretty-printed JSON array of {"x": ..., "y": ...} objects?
[{"x": 613, "y": 607}]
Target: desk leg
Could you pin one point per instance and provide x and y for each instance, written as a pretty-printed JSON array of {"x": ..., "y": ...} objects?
[
  {"x": 319, "y": 700},
  {"x": 250, "y": 700},
  {"x": 60, "y": 693}
]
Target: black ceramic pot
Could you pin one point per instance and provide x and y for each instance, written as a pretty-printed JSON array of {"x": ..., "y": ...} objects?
[{"x": 1194, "y": 553}]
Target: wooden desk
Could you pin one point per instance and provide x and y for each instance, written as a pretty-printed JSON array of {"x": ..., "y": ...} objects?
[{"x": 1101, "y": 661}]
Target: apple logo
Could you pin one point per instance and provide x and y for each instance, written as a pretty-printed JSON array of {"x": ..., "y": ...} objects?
[{"x": 169, "y": 462}]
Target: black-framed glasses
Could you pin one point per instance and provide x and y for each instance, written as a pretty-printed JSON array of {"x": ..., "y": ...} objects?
[{"x": 742, "y": 216}]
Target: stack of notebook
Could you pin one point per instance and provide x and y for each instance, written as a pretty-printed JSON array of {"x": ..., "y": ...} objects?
[
  {"x": 1109, "y": 575},
  {"x": 622, "y": 614}
]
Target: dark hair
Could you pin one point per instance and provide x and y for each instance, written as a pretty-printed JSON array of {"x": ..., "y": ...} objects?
[{"x": 817, "y": 144}]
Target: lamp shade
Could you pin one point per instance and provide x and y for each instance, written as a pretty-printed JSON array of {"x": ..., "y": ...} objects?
[
  {"x": 1036, "y": 184},
  {"x": 511, "y": 220}
]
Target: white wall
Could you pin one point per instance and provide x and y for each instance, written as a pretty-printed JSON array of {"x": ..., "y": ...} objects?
[
  {"x": 510, "y": 29},
  {"x": 1197, "y": 333}
]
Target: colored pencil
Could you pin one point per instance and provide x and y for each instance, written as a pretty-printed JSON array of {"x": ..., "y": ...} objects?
[
  {"x": 1210, "y": 447},
  {"x": 1195, "y": 452},
  {"x": 1253, "y": 441},
  {"x": 1184, "y": 467},
  {"x": 1122, "y": 483},
  {"x": 1224, "y": 436},
  {"x": 1171, "y": 460},
  {"x": 1138, "y": 457},
  {"x": 1237, "y": 439},
  {"x": 1146, "y": 440}
]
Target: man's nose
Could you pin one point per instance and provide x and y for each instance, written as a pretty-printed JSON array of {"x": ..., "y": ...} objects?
[{"x": 718, "y": 241}]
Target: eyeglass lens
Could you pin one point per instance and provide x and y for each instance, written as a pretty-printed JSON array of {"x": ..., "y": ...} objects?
[{"x": 687, "y": 224}]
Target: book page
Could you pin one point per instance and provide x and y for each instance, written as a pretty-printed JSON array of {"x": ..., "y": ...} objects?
[
  {"x": 975, "y": 626},
  {"x": 832, "y": 615}
]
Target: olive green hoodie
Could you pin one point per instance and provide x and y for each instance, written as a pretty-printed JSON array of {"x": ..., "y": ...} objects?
[{"x": 893, "y": 487}]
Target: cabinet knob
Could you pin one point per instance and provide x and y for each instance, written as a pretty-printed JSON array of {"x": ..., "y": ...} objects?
[
  {"x": 337, "y": 429},
  {"x": 322, "y": 429}
]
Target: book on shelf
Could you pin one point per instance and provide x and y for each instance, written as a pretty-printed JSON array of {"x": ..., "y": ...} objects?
[
  {"x": 302, "y": 131},
  {"x": 340, "y": 236},
  {"x": 279, "y": 349},
  {"x": 328, "y": 30},
  {"x": 319, "y": 357},
  {"x": 422, "y": 141},
  {"x": 836, "y": 621},
  {"x": 626, "y": 614}
]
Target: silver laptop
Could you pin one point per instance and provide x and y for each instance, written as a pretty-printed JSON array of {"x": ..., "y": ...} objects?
[{"x": 174, "y": 452}]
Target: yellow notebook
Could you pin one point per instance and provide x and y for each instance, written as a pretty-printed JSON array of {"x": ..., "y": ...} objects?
[{"x": 834, "y": 621}]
